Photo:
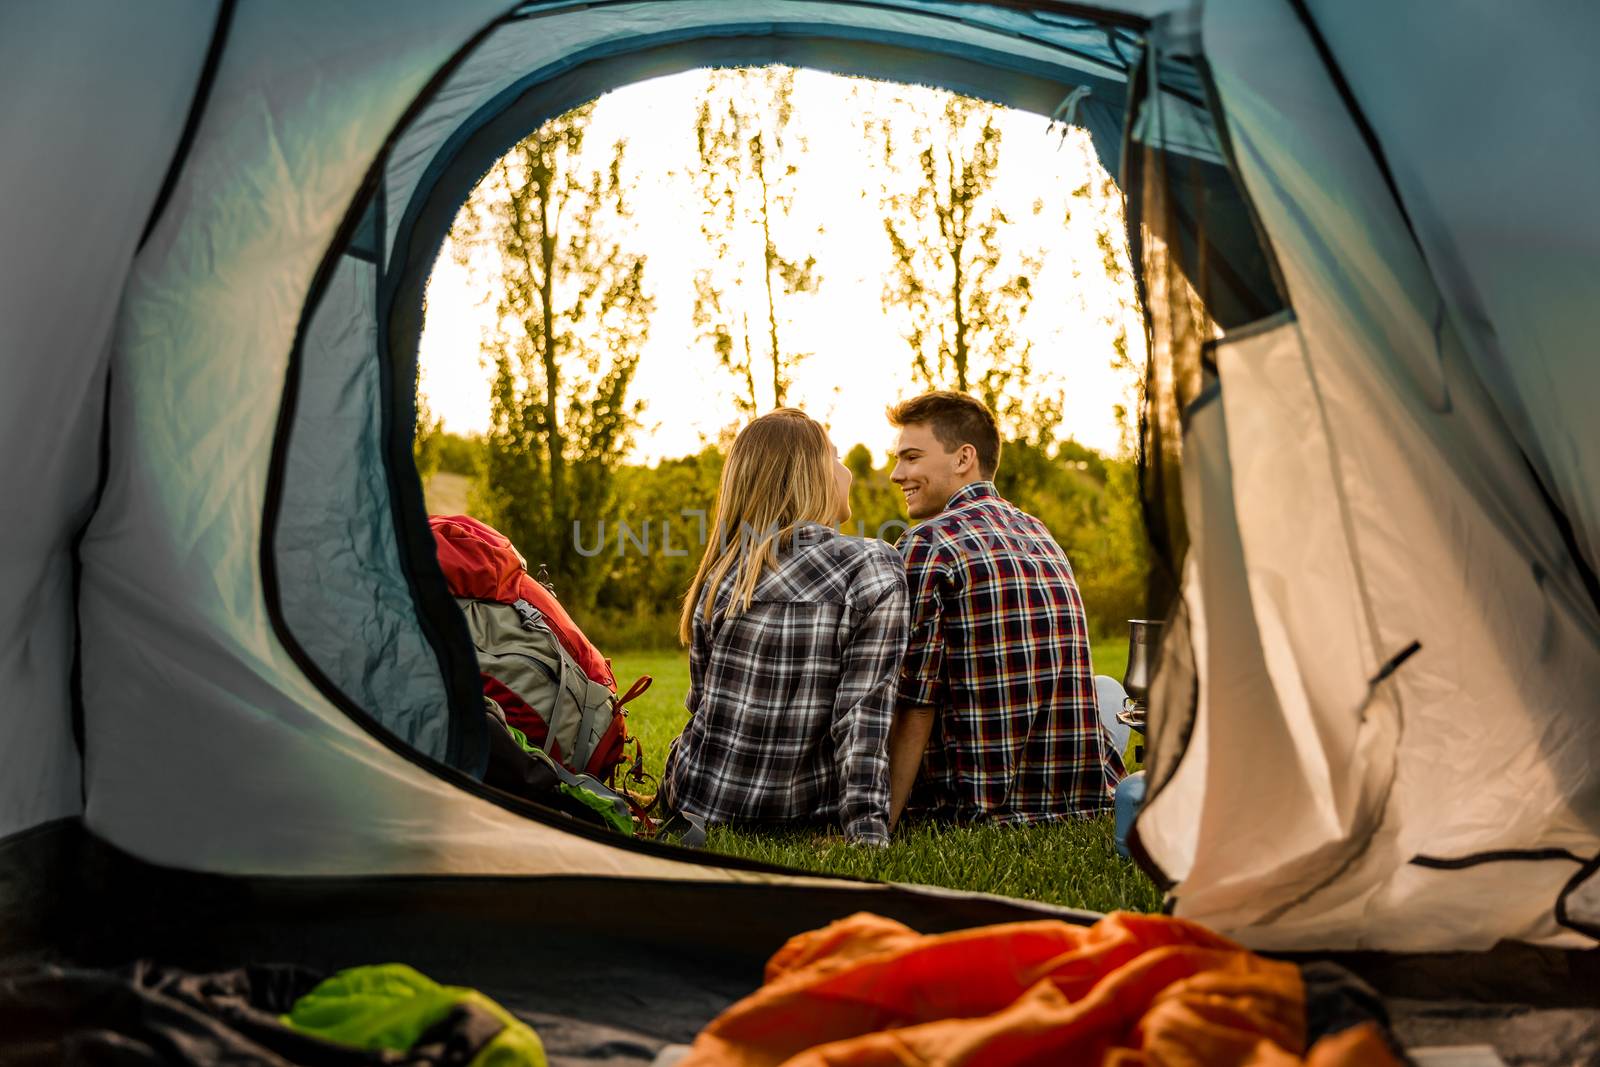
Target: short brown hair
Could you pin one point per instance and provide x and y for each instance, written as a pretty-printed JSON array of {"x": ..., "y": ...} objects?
[{"x": 957, "y": 419}]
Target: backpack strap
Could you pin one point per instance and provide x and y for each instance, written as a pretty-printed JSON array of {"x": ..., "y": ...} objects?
[
  {"x": 636, "y": 690},
  {"x": 647, "y": 824},
  {"x": 534, "y": 619}
]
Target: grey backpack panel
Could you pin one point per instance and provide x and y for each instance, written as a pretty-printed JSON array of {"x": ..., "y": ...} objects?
[{"x": 518, "y": 649}]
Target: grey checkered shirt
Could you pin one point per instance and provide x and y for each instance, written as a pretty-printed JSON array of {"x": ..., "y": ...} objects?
[{"x": 790, "y": 702}]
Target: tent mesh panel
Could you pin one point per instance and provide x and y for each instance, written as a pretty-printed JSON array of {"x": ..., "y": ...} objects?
[{"x": 1201, "y": 269}]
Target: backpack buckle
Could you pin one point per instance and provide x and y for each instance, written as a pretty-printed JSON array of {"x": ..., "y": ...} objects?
[{"x": 530, "y": 615}]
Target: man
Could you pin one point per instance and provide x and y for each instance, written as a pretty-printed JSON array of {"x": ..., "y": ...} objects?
[{"x": 996, "y": 706}]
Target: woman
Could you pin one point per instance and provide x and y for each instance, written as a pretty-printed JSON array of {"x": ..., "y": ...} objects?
[{"x": 795, "y": 635}]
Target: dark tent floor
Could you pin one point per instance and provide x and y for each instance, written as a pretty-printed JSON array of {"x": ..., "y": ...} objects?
[
  {"x": 612, "y": 971},
  {"x": 607, "y": 970}
]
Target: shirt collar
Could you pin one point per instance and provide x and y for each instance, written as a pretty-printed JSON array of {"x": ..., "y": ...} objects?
[{"x": 973, "y": 491}]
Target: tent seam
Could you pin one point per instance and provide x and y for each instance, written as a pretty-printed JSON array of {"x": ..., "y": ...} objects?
[{"x": 1502, "y": 855}]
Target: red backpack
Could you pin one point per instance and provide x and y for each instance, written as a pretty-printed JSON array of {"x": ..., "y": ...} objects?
[{"x": 548, "y": 678}]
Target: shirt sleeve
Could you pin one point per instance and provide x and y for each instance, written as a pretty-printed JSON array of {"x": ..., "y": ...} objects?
[
  {"x": 864, "y": 704},
  {"x": 923, "y": 681}
]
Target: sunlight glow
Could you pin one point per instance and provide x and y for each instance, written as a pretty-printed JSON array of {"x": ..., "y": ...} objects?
[{"x": 860, "y": 362}]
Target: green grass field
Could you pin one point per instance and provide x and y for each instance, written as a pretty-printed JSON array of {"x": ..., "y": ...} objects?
[{"x": 1073, "y": 864}]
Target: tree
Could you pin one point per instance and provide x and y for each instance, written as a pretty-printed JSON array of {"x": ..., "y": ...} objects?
[
  {"x": 876, "y": 503},
  {"x": 746, "y": 184},
  {"x": 650, "y": 553},
  {"x": 1110, "y": 552},
  {"x": 572, "y": 317},
  {"x": 1127, "y": 584},
  {"x": 964, "y": 292},
  {"x": 427, "y": 439},
  {"x": 459, "y": 454}
]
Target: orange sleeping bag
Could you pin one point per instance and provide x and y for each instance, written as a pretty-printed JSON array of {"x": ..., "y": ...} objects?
[{"x": 1130, "y": 990}]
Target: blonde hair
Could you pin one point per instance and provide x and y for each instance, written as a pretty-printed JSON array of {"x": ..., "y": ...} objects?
[{"x": 779, "y": 474}]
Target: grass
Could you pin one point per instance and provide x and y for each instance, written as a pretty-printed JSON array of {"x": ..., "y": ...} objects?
[
  {"x": 1110, "y": 656},
  {"x": 1073, "y": 864},
  {"x": 658, "y": 716}
]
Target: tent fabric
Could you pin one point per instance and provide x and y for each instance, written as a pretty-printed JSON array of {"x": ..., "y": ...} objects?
[
  {"x": 58, "y": 301},
  {"x": 208, "y": 320},
  {"x": 357, "y": 622},
  {"x": 1471, "y": 747},
  {"x": 1389, "y": 625},
  {"x": 1510, "y": 245}
]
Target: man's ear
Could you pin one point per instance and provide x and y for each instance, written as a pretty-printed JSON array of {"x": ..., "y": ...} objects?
[{"x": 966, "y": 459}]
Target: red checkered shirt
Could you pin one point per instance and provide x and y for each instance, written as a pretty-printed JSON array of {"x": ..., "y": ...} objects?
[{"x": 1000, "y": 650}]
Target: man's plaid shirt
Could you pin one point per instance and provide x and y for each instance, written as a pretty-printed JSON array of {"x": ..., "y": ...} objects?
[
  {"x": 790, "y": 702},
  {"x": 1000, "y": 650}
]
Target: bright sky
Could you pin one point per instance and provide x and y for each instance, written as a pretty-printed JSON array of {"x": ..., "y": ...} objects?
[{"x": 860, "y": 362}]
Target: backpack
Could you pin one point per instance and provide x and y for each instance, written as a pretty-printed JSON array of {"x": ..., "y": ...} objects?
[
  {"x": 519, "y": 767},
  {"x": 547, "y": 678}
]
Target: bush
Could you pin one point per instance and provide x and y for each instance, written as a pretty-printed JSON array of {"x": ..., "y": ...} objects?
[{"x": 617, "y": 630}]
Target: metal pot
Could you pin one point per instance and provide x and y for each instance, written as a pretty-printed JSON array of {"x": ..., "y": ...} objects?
[{"x": 1144, "y": 638}]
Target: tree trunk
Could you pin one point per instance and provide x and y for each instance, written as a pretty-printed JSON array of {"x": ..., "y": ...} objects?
[
  {"x": 769, "y": 254},
  {"x": 956, "y": 235},
  {"x": 749, "y": 363},
  {"x": 555, "y": 443}
]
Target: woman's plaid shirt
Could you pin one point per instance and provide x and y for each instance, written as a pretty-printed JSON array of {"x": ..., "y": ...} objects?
[
  {"x": 1000, "y": 649},
  {"x": 790, "y": 702}
]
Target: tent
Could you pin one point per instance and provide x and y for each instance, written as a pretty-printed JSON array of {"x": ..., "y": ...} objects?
[{"x": 238, "y": 706}]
